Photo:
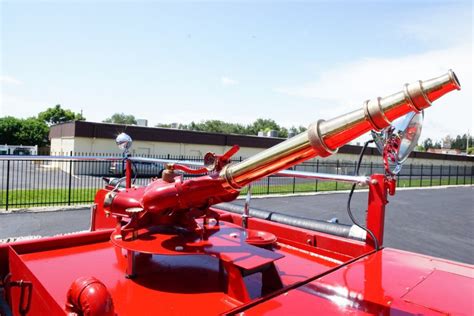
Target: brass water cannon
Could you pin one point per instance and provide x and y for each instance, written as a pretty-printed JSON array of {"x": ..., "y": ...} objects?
[
  {"x": 221, "y": 182},
  {"x": 323, "y": 138}
]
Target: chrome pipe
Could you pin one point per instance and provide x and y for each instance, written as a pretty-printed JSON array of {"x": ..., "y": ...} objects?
[
  {"x": 323, "y": 138},
  {"x": 60, "y": 158},
  {"x": 362, "y": 180}
]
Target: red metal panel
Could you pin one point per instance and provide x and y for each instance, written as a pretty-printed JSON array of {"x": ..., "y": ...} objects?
[
  {"x": 41, "y": 301},
  {"x": 378, "y": 284},
  {"x": 448, "y": 300}
]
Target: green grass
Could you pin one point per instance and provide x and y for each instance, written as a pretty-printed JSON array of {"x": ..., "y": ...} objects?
[{"x": 45, "y": 197}]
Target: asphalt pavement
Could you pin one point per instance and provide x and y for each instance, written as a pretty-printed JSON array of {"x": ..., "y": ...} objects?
[{"x": 437, "y": 222}]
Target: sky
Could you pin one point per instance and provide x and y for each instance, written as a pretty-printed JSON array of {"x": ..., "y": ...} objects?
[{"x": 293, "y": 62}]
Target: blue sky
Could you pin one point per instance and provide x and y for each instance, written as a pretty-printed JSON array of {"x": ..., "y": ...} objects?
[{"x": 235, "y": 61}]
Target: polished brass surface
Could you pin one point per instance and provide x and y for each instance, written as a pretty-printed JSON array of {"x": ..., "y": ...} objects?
[{"x": 325, "y": 137}]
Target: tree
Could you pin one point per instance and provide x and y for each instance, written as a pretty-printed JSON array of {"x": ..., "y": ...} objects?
[
  {"x": 9, "y": 127},
  {"x": 428, "y": 143},
  {"x": 56, "y": 115},
  {"x": 121, "y": 118},
  {"x": 460, "y": 142},
  {"x": 31, "y": 131},
  {"x": 266, "y": 125},
  {"x": 218, "y": 126},
  {"x": 420, "y": 148}
]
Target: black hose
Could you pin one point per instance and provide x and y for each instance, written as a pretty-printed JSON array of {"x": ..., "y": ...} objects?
[
  {"x": 349, "y": 211},
  {"x": 301, "y": 222}
]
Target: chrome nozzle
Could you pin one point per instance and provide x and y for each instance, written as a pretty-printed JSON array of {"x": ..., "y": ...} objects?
[{"x": 323, "y": 138}]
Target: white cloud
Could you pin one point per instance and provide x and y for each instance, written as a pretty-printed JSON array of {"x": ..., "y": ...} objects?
[
  {"x": 226, "y": 81},
  {"x": 9, "y": 80},
  {"x": 350, "y": 84}
]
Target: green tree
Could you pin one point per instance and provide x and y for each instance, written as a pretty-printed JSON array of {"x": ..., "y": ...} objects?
[
  {"x": 460, "y": 142},
  {"x": 121, "y": 118},
  {"x": 218, "y": 126},
  {"x": 9, "y": 128},
  {"x": 57, "y": 114},
  {"x": 428, "y": 143},
  {"x": 266, "y": 125},
  {"x": 31, "y": 131},
  {"x": 420, "y": 148},
  {"x": 262, "y": 125}
]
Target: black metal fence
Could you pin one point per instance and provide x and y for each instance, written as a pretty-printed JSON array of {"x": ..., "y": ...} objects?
[{"x": 27, "y": 182}]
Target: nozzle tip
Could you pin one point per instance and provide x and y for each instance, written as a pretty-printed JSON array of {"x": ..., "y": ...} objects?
[{"x": 454, "y": 79}]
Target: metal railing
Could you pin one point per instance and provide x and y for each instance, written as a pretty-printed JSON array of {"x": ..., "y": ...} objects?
[{"x": 32, "y": 181}]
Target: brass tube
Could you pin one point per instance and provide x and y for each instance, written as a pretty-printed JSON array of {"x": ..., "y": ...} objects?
[{"x": 323, "y": 138}]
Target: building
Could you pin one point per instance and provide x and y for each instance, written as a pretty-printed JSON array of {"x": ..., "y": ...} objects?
[
  {"x": 448, "y": 151},
  {"x": 85, "y": 138},
  {"x": 18, "y": 150}
]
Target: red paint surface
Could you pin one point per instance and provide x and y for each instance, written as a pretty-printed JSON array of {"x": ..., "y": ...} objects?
[
  {"x": 173, "y": 285},
  {"x": 389, "y": 282},
  {"x": 227, "y": 243}
]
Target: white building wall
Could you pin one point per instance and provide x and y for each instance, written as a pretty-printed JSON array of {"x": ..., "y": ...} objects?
[
  {"x": 100, "y": 145},
  {"x": 62, "y": 146}
]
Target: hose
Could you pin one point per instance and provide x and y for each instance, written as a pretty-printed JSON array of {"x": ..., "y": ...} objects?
[
  {"x": 349, "y": 211},
  {"x": 301, "y": 222}
]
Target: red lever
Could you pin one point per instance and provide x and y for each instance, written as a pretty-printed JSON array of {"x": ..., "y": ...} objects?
[
  {"x": 190, "y": 170},
  {"x": 229, "y": 153}
]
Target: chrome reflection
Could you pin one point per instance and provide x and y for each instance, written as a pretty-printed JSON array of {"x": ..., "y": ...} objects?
[
  {"x": 124, "y": 142},
  {"x": 397, "y": 141}
]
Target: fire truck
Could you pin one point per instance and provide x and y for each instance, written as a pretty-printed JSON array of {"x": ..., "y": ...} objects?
[{"x": 171, "y": 248}]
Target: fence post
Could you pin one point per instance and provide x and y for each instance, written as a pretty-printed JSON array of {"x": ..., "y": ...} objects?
[
  {"x": 431, "y": 176},
  {"x": 337, "y": 170},
  {"x": 464, "y": 178},
  {"x": 409, "y": 177},
  {"x": 472, "y": 173},
  {"x": 8, "y": 184},
  {"x": 457, "y": 174},
  {"x": 70, "y": 183},
  {"x": 268, "y": 185},
  {"x": 449, "y": 175},
  {"x": 441, "y": 175},
  {"x": 421, "y": 176},
  {"x": 294, "y": 184},
  {"x": 317, "y": 170}
]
